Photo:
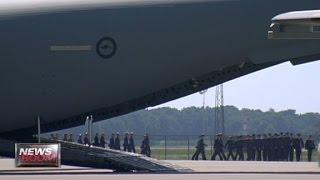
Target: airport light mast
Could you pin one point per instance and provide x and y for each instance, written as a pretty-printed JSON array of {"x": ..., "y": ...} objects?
[
  {"x": 203, "y": 93},
  {"x": 219, "y": 110}
]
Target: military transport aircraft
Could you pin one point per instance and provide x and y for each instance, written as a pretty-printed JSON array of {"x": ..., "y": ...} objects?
[{"x": 63, "y": 60}]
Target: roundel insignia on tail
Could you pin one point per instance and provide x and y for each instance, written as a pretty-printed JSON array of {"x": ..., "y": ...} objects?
[{"x": 106, "y": 47}]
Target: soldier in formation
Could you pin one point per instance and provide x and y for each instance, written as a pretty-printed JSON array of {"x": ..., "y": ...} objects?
[
  {"x": 200, "y": 149},
  {"x": 131, "y": 143},
  {"x": 126, "y": 142},
  {"x": 145, "y": 146},
  {"x": 102, "y": 141},
  {"x": 111, "y": 141},
  {"x": 230, "y": 146},
  {"x": 310, "y": 146},
  {"x": 117, "y": 142},
  {"x": 265, "y": 147},
  {"x": 218, "y": 148}
]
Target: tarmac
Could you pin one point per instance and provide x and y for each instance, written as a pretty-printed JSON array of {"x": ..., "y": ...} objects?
[{"x": 202, "y": 170}]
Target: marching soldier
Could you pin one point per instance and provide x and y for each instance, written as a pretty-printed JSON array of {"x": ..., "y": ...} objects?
[
  {"x": 298, "y": 145},
  {"x": 239, "y": 149},
  {"x": 80, "y": 139},
  {"x": 250, "y": 149},
  {"x": 148, "y": 149},
  {"x": 126, "y": 142},
  {"x": 310, "y": 146},
  {"x": 86, "y": 139},
  {"x": 230, "y": 145},
  {"x": 117, "y": 142},
  {"x": 259, "y": 147},
  {"x": 111, "y": 142},
  {"x": 218, "y": 148},
  {"x": 96, "y": 140},
  {"x": 291, "y": 147},
  {"x": 65, "y": 137},
  {"x": 131, "y": 144},
  {"x": 200, "y": 149},
  {"x": 52, "y": 137},
  {"x": 145, "y": 146},
  {"x": 265, "y": 147},
  {"x": 70, "y": 138},
  {"x": 57, "y": 136},
  {"x": 102, "y": 141}
]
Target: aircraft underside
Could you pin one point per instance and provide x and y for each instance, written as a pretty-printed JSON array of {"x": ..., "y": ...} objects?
[{"x": 108, "y": 60}]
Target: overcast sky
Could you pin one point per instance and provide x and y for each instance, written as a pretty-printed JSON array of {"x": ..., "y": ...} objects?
[{"x": 280, "y": 87}]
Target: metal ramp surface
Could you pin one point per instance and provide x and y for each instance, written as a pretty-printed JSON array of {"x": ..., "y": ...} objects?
[{"x": 96, "y": 157}]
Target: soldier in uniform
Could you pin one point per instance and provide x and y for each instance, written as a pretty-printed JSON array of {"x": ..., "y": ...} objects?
[
  {"x": 117, "y": 142},
  {"x": 239, "y": 149},
  {"x": 57, "y": 136},
  {"x": 259, "y": 147},
  {"x": 102, "y": 141},
  {"x": 86, "y": 140},
  {"x": 249, "y": 147},
  {"x": 310, "y": 146},
  {"x": 70, "y": 137},
  {"x": 126, "y": 142},
  {"x": 80, "y": 139},
  {"x": 65, "y": 137},
  {"x": 270, "y": 147},
  {"x": 265, "y": 147},
  {"x": 200, "y": 149},
  {"x": 291, "y": 147},
  {"x": 96, "y": 140},
  {"x": 111, "y": 142},
  {"x": 218, "y": 148},
  {"x": 52, "y": 137},
  {"x": 145, "y": 146},
  {"x": 148, "y": 149},
  {"x": 230, "y": 145},
  {"x": 298, "y": 145},
  {"x": 131, "y": 143}
]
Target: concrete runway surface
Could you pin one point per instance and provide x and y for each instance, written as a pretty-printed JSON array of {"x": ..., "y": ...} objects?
[{"x": 203, "y": 170}]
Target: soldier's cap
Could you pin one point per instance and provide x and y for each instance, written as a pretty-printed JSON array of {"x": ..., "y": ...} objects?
[
  {"x": 118, "y": 133},
  {"x": 80, "y": 134},
  {"x": 131, "y": 132}
]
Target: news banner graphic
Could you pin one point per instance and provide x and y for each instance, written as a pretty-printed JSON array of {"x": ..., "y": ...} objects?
[{"x": 37, "y": 155}]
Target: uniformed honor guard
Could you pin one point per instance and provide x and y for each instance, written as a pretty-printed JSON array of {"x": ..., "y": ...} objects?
[
  {"x": 117, "y": 142},
  {"x": 102, "y": 141},
  {"x": 291, "y": 147},
  {"x": 86, "y": 140},
  {"x": 230, "y": 145},
  {"x": 70, "y": 137},
  {"x": 80, "y": 139},
  {"x": 239, "y": 148},
  {"x": 310, "y": 146},
  {"x": 52, "y": 137},
  {"x": 126, "y": 142},
  {"x": 298, "y": 145},
  {"x": 96, "y": 140},
  {"x": 131, "y": 143},
  {"x": 65, "y": 137},
  {"x": 259, "y": 147},
  {"x": 218, "y": 148},
  {"x": 200, "y": 149},
  {"x": 111, "y": 142}
]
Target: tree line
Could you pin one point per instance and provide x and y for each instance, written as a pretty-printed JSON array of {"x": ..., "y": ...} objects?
[{"x": 195, "y": 121}]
